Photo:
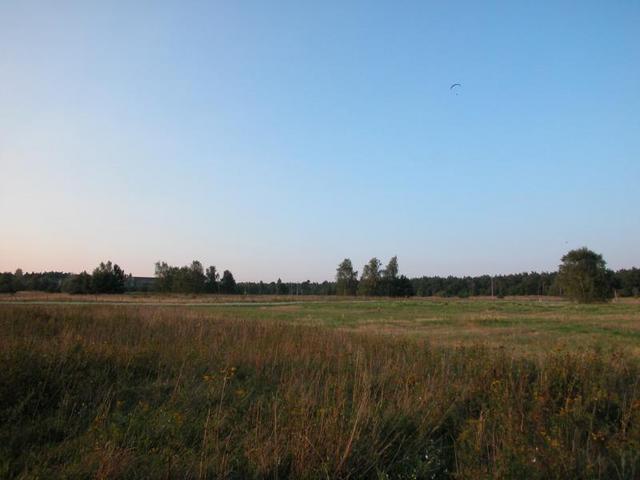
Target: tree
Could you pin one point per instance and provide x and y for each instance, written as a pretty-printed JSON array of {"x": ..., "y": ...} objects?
[
  {"x": 391, "y": 272},
  {"x": 186, "y": 279},
  {"x": 583, "y": 276},
  {"x": 213, "y": 276},
  {"x": 227, "y": 283},
  {"x": 77, "y": 284},
  {"x": 346, "y": 278},
  {"x": 7, "y": 283},
  {"x": 164, "y": 277},
  {"x": 18, "y": 280},
  {"x": 402, "y": 287},
  {"x": 108, "y": 278},
  {"x": 370, "y": 280},
  {"x": 627, "y": 282},
  {"x": 44, "y": 281},
  {"x": 389, "y": 278},
  {"x": 195, "y": 277},
  {"x": 281, "y": 288}
]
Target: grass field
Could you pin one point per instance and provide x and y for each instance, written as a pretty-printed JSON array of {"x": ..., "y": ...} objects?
[{"x": 182, "y": 387}]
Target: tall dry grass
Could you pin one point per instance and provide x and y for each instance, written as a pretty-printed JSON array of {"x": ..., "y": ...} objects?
[{"x": 145, "y": 392}]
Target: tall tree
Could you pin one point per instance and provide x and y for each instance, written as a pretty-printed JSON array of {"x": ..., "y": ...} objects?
[
  {"x": 196, "y": 277},
  {"x": 583, "y": 276},
  {"x": 389, "y": 278},
  {"x": 227, "y": 283},
  {"x": 18, "y": 279},
  {"x": 212, "y": 279},
  {"x": 346, "y": 278},
  {"x": 164, "y": 277},
  {"x": 391, "y": 271},
  {"x": 370, "y": 279}
]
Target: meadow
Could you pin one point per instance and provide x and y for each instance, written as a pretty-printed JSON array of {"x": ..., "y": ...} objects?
[{"x": 210, "y": 387}]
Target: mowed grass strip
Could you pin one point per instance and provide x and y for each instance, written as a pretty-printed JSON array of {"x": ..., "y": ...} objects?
[{"x": 175, "y": 392}]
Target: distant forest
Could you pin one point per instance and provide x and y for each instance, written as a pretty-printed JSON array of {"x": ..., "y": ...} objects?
[{"x": 374, "y": 281}]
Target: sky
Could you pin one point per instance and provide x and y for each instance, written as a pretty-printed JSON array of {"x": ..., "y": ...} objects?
[{"x": 276, "y": 138}]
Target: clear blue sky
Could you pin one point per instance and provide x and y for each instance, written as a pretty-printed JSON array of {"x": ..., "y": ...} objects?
[{"x": 277, "y": 138}]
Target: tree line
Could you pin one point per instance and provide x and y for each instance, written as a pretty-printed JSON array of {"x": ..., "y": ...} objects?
[
  {"x": 526, "y": 283},
  {"x": 193, "y": 279},
  {"x": 582, "y": 275},
  {"x": 106, "y": 278},
  {"x": 374, "y": 281},
  {"x": 287, "y": 288}
]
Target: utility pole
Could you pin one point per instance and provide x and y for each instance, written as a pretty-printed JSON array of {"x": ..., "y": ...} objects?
[{"x": 491, "y": 286}]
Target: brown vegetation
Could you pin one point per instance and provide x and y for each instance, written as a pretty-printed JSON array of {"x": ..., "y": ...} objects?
[{"x": 131, "y": 392}]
